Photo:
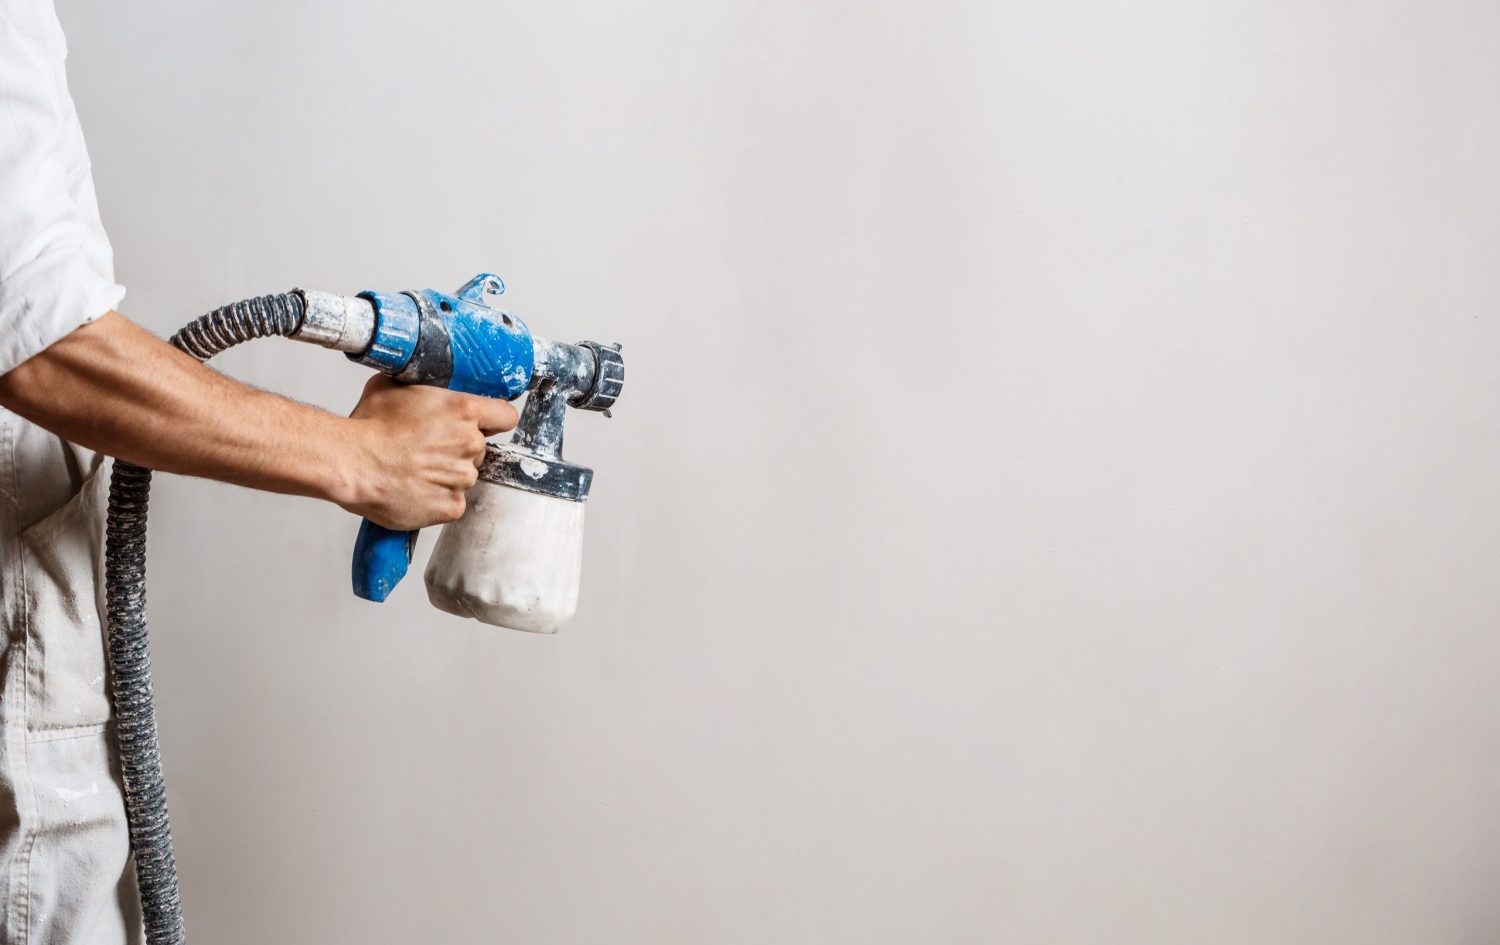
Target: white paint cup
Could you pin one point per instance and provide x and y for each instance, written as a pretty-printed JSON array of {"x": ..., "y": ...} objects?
[{"x": 513, "y": 560}]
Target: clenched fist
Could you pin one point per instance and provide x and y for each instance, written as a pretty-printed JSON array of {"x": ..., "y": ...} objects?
[{"x": 417, "y": 451}]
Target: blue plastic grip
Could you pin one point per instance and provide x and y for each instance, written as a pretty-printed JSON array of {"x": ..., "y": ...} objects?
[{"x": 381, "y": 557}]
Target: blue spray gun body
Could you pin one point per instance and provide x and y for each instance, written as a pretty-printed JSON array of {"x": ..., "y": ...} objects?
[{"x": 460, "y": 342}]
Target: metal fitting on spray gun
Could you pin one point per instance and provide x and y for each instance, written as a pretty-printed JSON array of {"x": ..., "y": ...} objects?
[{"x": 512, "y": 560}]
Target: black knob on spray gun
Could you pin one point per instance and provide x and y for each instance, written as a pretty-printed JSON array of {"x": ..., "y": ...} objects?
[{"x": 525, "y": 575}]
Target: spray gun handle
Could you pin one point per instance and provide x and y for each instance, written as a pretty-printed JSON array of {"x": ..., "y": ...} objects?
[{"x": 381, "y": 557}]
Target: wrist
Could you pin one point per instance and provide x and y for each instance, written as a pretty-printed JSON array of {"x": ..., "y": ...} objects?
[{"x": 344, "y": 479}]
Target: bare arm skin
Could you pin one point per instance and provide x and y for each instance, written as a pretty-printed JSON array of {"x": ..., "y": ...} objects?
[{"x": 403, "y": 459}]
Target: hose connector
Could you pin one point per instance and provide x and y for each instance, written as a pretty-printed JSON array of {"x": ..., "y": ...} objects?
[
  {"x": 398, "y": 325},
  {"x": 341, "y": 322}
]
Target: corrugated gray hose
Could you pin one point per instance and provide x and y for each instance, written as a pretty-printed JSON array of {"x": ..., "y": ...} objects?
[{"x": 129, "y": 652}]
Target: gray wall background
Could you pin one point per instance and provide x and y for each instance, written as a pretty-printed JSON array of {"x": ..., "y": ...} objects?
[{"x": 1057, "y": 496}]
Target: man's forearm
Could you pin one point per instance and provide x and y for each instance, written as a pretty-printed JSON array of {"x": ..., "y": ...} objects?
[
  {"x": 113, "y": 387},
  {"x": 404, "y": 458}
]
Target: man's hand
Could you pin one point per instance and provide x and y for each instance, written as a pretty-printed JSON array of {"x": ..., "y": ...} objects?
[
  {"x": 420, "y": 450},
  {"x": 403, "y": 460}
]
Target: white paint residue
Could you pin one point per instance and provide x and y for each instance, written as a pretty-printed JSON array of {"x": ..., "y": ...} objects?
[
  {"x": 534, "y": 468},
  {"x": 68, "y": 794}
]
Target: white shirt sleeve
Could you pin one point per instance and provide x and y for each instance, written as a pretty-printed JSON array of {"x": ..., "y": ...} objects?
[{"x": 56, "y": 265}]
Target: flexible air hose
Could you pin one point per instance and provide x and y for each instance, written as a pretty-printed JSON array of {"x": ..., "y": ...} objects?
[{"x": 129, "y": 652}]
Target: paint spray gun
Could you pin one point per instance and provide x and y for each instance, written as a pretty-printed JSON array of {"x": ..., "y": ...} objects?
[{"x": 513, "y": 559}]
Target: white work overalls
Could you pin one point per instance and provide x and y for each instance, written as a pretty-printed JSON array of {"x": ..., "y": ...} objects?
[
  {"x": 65, "y": 877},
  {"x": 64, "y": 851}
]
